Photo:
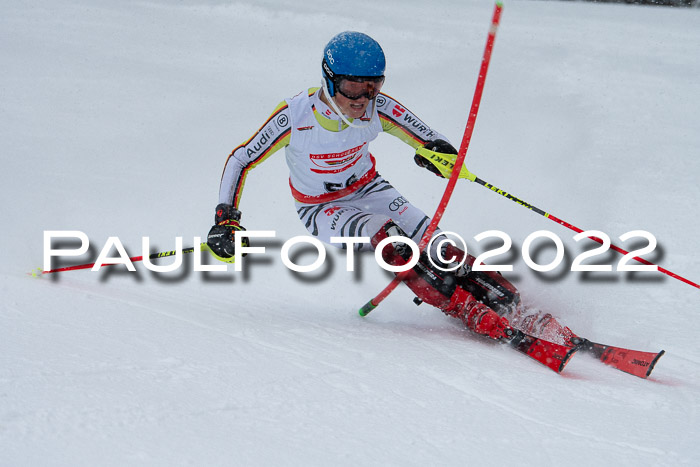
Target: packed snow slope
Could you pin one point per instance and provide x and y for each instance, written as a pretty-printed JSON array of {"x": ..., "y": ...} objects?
[{"x": 116, "y": 120}]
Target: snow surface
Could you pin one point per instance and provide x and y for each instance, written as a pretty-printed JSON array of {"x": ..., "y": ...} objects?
[{"x": 116, "y": 119}]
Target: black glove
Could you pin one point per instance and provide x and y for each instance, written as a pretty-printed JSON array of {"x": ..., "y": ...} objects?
[
  {"x": 439, "y": 146},
  {"x": 220, "y": 239}
]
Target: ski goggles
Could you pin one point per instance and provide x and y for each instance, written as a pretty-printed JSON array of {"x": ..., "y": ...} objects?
[{"x": 357, "y": 87}]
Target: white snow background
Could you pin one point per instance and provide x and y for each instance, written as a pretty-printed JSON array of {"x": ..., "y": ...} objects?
[{"x": 116, "y": 120}]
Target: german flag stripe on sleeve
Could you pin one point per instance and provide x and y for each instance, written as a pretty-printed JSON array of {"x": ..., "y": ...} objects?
[
  {"x": 279, "y": 143},
  {"x": 403, "y": 133},
  {"x": 273, "y": 135}
]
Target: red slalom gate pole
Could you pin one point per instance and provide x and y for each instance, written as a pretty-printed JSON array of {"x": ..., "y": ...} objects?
[{"x": 459, "y": 162}]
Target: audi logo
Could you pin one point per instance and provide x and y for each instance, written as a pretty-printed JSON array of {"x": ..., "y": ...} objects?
[{"x": 397, "y": 203}]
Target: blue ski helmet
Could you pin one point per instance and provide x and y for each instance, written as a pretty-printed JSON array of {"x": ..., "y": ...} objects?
[{"x": 351, "y": 54}]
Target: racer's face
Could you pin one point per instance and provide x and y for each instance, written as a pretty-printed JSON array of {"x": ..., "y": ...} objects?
[
  {"x": 353, "y": 108},
  {"x": 354, "y": 94}
]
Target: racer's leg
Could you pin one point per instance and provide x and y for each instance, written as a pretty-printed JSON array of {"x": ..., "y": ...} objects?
[
  {"x": 498, "y": 293},
  {"x": 363, "y": 213},
  {"x": 440, "y": 289}
]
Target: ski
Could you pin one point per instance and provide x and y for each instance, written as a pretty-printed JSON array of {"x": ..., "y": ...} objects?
[
  {"x": 553, "y": 356},
  {"x": 634, "y": 362}
]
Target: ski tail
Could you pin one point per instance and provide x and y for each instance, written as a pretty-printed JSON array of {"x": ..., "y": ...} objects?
[
  {"x": 634, "y": 362},
  {"x": 553, "y": 356}
]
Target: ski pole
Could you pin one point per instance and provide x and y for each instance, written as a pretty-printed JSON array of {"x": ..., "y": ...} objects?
[
  {"x": 163, "y": 254},
  {"x": 470, "y": 176},
  {"x": 373, "y": 303}
]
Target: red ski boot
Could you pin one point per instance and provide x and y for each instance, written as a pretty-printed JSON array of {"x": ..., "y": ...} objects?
[
  {"x": 543, "y": 325},
  {"x": 476, "y": 316}
]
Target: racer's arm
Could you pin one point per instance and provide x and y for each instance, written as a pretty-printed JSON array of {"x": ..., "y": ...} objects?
[
  {"x": 433, "y": 151},
  {"x": 400, "y": 122},
  {"x": 270, "y": 138}
]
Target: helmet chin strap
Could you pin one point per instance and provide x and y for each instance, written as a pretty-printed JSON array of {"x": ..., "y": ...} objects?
[{"x": 339, "y": 112}]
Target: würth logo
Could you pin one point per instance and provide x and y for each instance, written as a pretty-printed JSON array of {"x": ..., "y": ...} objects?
[
  {"x": 330, "y": 211},
  {"x": 398, "y": 110}
]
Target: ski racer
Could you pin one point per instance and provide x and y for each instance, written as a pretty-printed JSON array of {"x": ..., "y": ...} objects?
[{"x": 338, "y": 191}]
